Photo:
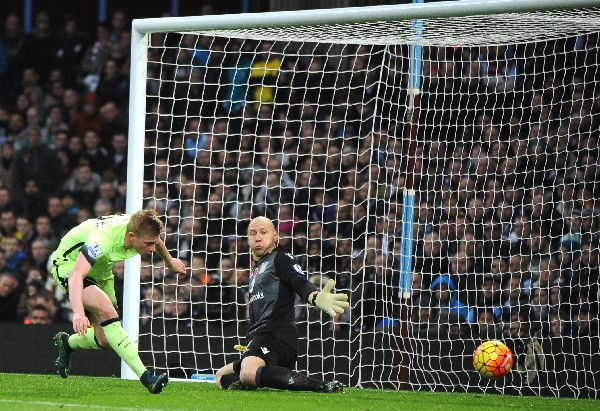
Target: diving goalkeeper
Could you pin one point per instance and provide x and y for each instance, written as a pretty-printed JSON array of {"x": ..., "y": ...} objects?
[
  {"x": 82, "y": 266},
  {"x": 272, "y": 339}
]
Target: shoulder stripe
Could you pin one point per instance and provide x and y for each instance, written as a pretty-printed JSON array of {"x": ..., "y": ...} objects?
[{"x": 70, "y": 250}]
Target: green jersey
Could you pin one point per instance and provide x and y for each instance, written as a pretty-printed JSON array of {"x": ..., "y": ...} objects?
[{"x": 100, "y": 240}]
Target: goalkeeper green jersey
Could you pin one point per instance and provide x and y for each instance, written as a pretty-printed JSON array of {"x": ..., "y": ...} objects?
[{"x": 101, "y": 242}]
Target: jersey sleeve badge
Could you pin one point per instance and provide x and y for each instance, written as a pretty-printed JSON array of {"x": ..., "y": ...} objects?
[{"x": 95, "y": 251}]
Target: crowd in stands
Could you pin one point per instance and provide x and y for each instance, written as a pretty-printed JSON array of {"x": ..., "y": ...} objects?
[
  {"x": 505, "y": 167},
  {"x": 63, "y": 138}
]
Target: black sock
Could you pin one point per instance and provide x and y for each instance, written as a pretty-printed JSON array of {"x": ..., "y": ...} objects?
[
  {"x": 285, "y": 379},
  {"x": 228, "y": 379}
]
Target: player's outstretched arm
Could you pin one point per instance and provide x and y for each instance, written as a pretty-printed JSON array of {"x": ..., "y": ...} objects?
[
  {"x": 174, "y": 265},
  {"x": 81, "y": 268},
  {"x": 329, "y": 302}
]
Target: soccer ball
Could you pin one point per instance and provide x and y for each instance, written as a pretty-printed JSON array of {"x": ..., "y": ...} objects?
[{"x": 493, "y": 359}]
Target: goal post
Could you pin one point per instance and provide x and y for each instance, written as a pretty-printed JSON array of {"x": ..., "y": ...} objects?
[{"x": 323, "y": 121}]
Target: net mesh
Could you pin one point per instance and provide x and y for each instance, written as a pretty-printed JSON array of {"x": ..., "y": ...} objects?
[
  {"x": 501, "y": 146},
  {"x": 480, "y": 30}
]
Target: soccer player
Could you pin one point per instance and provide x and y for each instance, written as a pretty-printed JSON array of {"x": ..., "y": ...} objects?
[
  {"x": 272, "y": 336},
  {"x": 82, "y": 266}
]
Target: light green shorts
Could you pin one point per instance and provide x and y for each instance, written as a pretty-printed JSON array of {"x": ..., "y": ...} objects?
[{"x": 61, "y": 273}]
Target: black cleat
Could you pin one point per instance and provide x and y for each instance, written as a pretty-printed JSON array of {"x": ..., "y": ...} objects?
[
  {"x": 238, "y": 386},
  {"x": 63, "y": 362},
  {"x": 154, "y": 383},
  {"x": 333, "y": 386}
]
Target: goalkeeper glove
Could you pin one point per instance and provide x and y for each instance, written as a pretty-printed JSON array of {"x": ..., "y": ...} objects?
[{"x": 331, "y": 303}]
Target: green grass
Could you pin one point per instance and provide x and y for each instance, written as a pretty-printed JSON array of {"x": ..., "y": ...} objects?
[{"x": 23, "y": 392}]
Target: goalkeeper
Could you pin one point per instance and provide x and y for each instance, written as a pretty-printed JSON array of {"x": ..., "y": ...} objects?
[
  {"x": 272, "y": 336},
  {"x": 82, "y": 266}
]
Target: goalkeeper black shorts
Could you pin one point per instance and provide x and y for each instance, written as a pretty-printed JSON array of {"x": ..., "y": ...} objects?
[{"x": 271, "y": 350}]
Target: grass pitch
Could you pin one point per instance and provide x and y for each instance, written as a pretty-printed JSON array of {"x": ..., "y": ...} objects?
[{"x": 24, "y": 392}]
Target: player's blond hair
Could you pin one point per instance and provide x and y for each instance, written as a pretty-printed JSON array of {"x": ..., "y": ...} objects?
[{"x": 145, "y": 222}]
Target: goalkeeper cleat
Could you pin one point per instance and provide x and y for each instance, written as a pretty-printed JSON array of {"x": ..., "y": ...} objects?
[
  {"x": 154, "y": 383},
  {"x": 238, "y": 386},
  {"x": 63, "y": 362},
  {"x": 333, "y": 386}
]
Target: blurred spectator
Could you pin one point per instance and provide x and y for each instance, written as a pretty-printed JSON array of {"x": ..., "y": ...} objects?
[
  {"x": 55, "y": 128},
  {"x": 38, "y": 255},
  {"x": 152, "y": 305},
  {"x": 95, "y": 56},
  {"x": 47, "y": 299},
  {"x": 102, "y": 208},
  {"x": 177, "y": 310},
  {"x": 548, "y": 273},
  {"x": 263, "y": 74},
  {"x": 39, "y": 314},
  {"x": 108, "y": 192},
  {"x": 13, "y": 39},
  {"x": 61, "y": 220},
  {"x": 74, "y": 153},
  {"x": 236, "y": 65},
  {"x": 518, "y": 331},
  {"x": 83, "y": 185},
  {"x": 94, "y": 153},
  {"x": 487, "y": 325},
  {"x": 433, "y": 260},
  {"x": 223, "y": 297},
  {"x": 43, "y": 229},
  {"x": 539, "y": 308},
  {"x": 115, "y": 123},
  {"x": 36, "y": 161},
  {"x": 118, "y": 25},
  {"x": 560, "y": 325},
  {"x": 112, "y": 85},
  {"x": 7, "y": 156},
  {"x": 117, "y": 161},
  {"x": 8, "y": 225},
  {"x": 88, "y": 118},
  {"x": 9, "y": 297},
  {"x": 424, "y": 319},
  {"x": 445, "y": 299},
  {"x": 6, "y": 200},
  {"x": 35, "y": 281},
  {"x": 514, "y": 296},
  {"x": 34, "y": 202},
  {"x": 38, "y": 46},
  {"x": 489, "y": 295},
  {"x": 33, "y": 121},
  {"x": 68, "y": 50},
  {"x": 25, "y": 232},
  {"x": 463, "y": 275},
  {"x": 13, "y": 254},
  {"x": 70, "y": 102},
  {"x": 586, "y": 323}
]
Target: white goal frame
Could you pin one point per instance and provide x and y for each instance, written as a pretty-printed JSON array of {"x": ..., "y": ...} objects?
[{"x": 142, "y": 28}]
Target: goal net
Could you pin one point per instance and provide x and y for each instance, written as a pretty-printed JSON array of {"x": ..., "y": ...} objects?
[{"x": 484, "y": 115}]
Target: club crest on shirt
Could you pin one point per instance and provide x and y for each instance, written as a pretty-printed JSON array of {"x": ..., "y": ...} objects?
[
  {"x": 262, "y": 268},
  {"x": 95, "y": 251},
  {"x": 251, "y": 285}
]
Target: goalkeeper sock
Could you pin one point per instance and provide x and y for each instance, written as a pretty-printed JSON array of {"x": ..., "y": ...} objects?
[
  {"x": 120, "y": 342},
  {"x": 86, "y": 342},
  {"x": 285, "y": 379},
  {"x": 228, "y": 379}
]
